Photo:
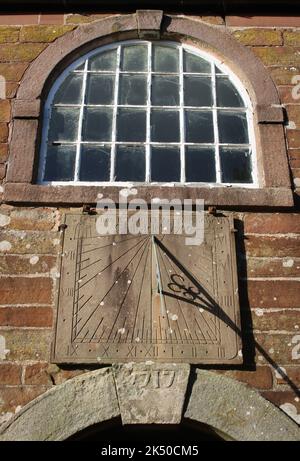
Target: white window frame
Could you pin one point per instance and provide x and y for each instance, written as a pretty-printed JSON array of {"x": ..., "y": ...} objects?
[{"x": 214, "y": 61}]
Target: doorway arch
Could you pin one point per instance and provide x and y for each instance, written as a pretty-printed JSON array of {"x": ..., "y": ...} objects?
[{"x": 231, "y": 409}]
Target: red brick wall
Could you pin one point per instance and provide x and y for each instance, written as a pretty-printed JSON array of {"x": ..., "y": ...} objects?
[{"x": 268, "y": 242}]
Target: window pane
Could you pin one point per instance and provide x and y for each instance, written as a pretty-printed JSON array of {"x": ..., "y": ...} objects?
[
  {"x": 218, "y": 70},
  {"x": 200, "y": 164},
  {"x": 233, "y": 128},
  {"x": 94, "y": 163},
  {"x": 227, "y": 94},
  {"x": 130, "y": 163},
  {"x": 199, "y": 126},
  {"x": 60, "y": 163},
  {"x": 165, "y": 91},
  {"x": 100, "y": 89},
  {"x": 80, "y": 66},
  {"x": 131, "y": 125},
  {"x": 104, "y": 61},
  {"x": 165, "y": 126},
  {"x": 134, "y": 58},
  {"x": 197, "y": 91},
  {"x": 193, "y": 63},
  {"x": 236, "y": 165},
  {"x": 64, "y": 124},
  {"x": 165, "y": 59},
  {"x": 97, "y": 125},
  {"x": 165, "y": 164},
  {"x": 133, "y": 90},
  {"x": 70, "y": 91}
]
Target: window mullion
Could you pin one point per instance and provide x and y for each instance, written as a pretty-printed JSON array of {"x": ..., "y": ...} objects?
[
  {"x": 80, "y": 123},
  {"x": 115, "y": 114},
  {"x": 181, "y": 116},
  {"x": 215, "y": 122},
  {"x": 148, "y": 119}
]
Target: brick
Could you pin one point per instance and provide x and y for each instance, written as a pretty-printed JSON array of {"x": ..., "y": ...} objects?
[
  {"x": 283, "y": 320},
  {"x": 277, "y": 347},
  {"x": 3, "y": 132},
  {"x": 293, "y": 373},
  {"x": 25, "y": 52},
  {"x": 11, "y": 89},
  {"x": 22, "y": 290},
  {"x": 286, "y": 94},
  {"x": 5, "y": 110},
  {"x": 27, "y": 344},
  {"x": 270, "y": 267},
  {"x": 62, "y": 376},
  {"x": 51, "y": 19},
  {"x": 282, "y": 55},
  {"x": 261, "y": 378},
  {"x": 27, "y": 242},
  {"x": 9, "y": 34},
  {"x": 273, "y": 293},
  {"x": 13, "y": 72},
  {"x": 37, "y": 374},
  {"x": 293, "y": 112},
  {"x": 10, "y": 374},
  {"x": 41, "y": 317},
  {"x": 2, "y": 171},
  {"x": 41, "y": 219},
  {"x": 267, "y": 246},
  {"x": 294, "y": 158},
  {"x": 281, "y": 397},
  {"x": 43, "y": 34},
  {"x": 31, "y": 264},
  {"x": 262, "y": 21},
  {"x": 293, "y": 138},
  {"x": 257, "y": 37},
  {"x": 272, "y": 223},
  {"x": 291, "y": 38},
  {"x": 12, "y": 398},
  {"x": 3, "y": 152},
  {"x": 19, "y": 19},
  {"x": 284, "y": 75}
]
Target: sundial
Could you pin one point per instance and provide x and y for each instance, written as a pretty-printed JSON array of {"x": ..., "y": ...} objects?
[{"x": 126, "y": 298}]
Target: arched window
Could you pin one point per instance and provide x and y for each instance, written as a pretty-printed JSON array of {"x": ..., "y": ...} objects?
[{"x": 147, "y": 112}]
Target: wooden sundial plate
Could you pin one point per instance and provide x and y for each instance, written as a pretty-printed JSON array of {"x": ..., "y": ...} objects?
[{"x": 125, "y": 298}]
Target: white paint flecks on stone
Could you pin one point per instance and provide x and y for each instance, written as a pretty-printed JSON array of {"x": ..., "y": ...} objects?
[
  {"x": 5, "y": 246},
  {"x": 121, "y": 331},
  {"x": 34, "y": 260},
  {"x": 297, "y": 182},
  {"x": 259, "y": 312},
  {"x": 291, "y": 126},
  {"x": 4, "y": 220},
  {"x": 54, "y": 273},
  {"x": 56, "y": 242},
  {"x": 3, "y": 351},
  {"x": 1, "y": 189},
  {"x": 291, "y": 410},
  {"x": 288, "y": 263}
]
